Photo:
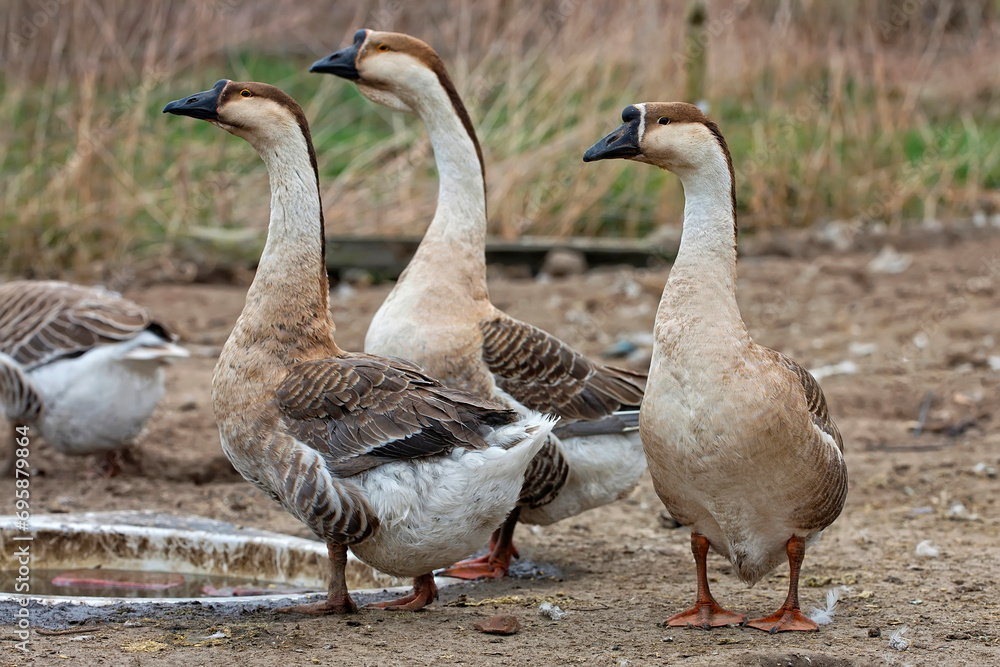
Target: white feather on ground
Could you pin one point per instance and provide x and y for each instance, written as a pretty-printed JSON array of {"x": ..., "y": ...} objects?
[
  {"x": 824, "y": 615},
  {"x": 551, "y": 611},
  {"x": 897, "y": 641},
  {"x": 927, "y": 550}
]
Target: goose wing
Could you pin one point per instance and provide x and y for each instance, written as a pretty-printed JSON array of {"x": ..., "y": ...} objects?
[
  {"x": 818, "y": 510},
  {"x": 41, "y": 321},
  {"x": 19, "y": 401},
  {"x": 815, "y": 400},
  {"x": 545, "y": 374},
  {"x": 360, "y": 411}
]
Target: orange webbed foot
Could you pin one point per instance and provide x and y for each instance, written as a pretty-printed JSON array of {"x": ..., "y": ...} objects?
[
  {"x": 785, "y": 620},
  {"x": 493, "y": 565},
  {"x": 476, "y": 568},
  {"x": 424, "y": 592},
  {"x": 344, "y": 605},
  {"x": 706, "y": 615}
]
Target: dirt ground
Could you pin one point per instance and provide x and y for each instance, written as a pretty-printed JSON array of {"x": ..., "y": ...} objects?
[{"x": 924, "y": 336}]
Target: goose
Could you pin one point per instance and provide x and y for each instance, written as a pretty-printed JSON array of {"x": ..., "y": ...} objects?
[
  {"x": 82, "y": 365},
  {"x": 369, "y": 452},
  {"x": 595, "y": 457},
  {"x": 739, "y": 439}
]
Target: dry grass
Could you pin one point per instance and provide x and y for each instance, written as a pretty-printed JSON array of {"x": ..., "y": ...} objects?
[{"x": 873, "y": 112}]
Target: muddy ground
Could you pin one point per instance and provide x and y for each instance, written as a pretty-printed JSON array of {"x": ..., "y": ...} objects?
[{"x": 924, "y": 336}]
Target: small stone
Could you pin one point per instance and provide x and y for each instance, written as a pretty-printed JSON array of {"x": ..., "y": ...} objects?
[
  {"x": 501, "y": 624},
  {"x": 890, "y": 261},
  {"x": 562, "y": 262},
  {"x": 621, "y": 348},
  {"x": 860, "y": 349},
  {"x": 356, "y": 277},
  {"x": 874, "y": 631}
]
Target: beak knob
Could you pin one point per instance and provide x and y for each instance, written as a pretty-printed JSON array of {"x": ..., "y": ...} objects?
[
  {"x": 343, "y": 62},
  {"x": 622, "y": 143}
]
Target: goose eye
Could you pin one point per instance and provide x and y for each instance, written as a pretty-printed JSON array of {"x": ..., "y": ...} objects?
[
  {"x": 246, "y": 93},
  {"x": 663, "y": 120},
  {"x": 383, "y": 47}
]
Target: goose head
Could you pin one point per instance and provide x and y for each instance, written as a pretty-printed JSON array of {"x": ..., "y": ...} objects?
[
  {"x": 257, "y": 112},
  {"x": 671, "y": 135},
  {"x": 389, "y": 68}
]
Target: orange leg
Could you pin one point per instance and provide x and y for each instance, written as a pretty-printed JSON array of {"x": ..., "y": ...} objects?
[
  {"x": 424, "y": 592},
  {"x": 789, "y": 617},
  {"x": 706, "y": 612},
  {"x": 495, "y": 564},
  {"x": 8, "y": 467},
  {"x": 338, "y": 599},
  {"x": 111, "y": 463}
]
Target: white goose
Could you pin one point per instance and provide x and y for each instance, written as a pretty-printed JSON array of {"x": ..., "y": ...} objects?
[
  {"x": 368, "y": 452},
  {"x": 81, "y": 364},
  {"x": 440, "y": 316},
  {"x": 740, "y": 443}
]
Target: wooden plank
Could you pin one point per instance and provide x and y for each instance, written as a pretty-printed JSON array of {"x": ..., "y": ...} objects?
[{"x": 387, "y": 257}]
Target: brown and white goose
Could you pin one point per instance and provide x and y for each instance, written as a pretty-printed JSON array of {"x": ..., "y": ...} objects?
[
  {"x": 83, "y": 365},
  {"x": 368, "y": 452},
  {"x": 440, "y": 316},
  {"x": 740, "y": 443}
]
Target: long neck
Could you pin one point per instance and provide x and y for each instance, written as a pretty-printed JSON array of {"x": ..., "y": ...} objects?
[
  {"x": 454, "y": 246},
  {"x": 288, "y": 297},
  {"x": 705, "y": 269}
]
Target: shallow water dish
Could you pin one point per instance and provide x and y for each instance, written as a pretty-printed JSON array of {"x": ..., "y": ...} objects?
[{"x": 202, "y": 549}]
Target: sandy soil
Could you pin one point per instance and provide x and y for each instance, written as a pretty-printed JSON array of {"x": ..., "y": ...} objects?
[{"x": 926, "y": 334}]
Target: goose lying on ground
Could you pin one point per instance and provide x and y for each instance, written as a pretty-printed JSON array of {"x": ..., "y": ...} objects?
[
  {"x": 740, "y": 443},
  {"x": 440, "y": 316},
  {"x": 369, "y": 452},
  {"x": 81, "y": 364}
]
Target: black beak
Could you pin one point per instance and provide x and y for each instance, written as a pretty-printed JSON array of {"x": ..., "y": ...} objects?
[
  {"x": 622, "y": 143},
  {"x": 342, "y": 63},
  {"x": 204, "y": 106}
]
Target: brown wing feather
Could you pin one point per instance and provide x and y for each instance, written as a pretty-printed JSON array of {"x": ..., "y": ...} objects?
[
  {"x": 545, "y": 374},
  {"x": 20, "y": 402},
  {"x": 815, "y": 400},
  {"x": 545, "y": 476},
  {"x": 360, "y": 411},
  {"x": 44, "y": 320},
  {"x": 819, "y": 511}
]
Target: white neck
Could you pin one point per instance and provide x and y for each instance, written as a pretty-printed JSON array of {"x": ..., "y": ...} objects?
[
  {"x": 705, "y": 268},
  {"x": 291, "y": 277},
  {"x": 454, "y": 245}
]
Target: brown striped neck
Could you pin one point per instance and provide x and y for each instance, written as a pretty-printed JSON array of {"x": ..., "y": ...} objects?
[
  {"x": 459, "y": 108},
  {"x": 403, "y": 73},
  {"x": 388, "y": 65},
  {"x": 290, "y": 290},
  {"x": 714, "y": 129}
]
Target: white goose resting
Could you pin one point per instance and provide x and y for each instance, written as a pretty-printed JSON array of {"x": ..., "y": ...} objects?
[
  {"x": 81, "y": 364},
  {"x": 740, "y": 443},
  {"x": 368, "y": 452},
  {"x": 440, "y": 316}
]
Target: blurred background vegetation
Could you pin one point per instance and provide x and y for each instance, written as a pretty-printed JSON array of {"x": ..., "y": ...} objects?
[{"x": 873, "y": 112}]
